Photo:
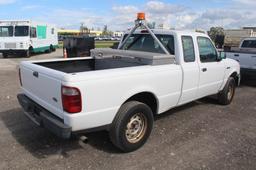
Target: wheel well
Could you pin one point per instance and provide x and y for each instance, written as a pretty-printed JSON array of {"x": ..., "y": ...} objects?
[
  {"x": 147, "y": 98},
  {"x": 30, "y": 48},
  {"x": 234, "y": 75}
]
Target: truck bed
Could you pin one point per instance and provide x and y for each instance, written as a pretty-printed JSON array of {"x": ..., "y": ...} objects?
[
  {"x": 74, "y": 66},
  {"x": 109, "y": 59}
]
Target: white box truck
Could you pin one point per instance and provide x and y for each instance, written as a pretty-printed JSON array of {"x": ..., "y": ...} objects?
[{"x": 26, "y": 37}]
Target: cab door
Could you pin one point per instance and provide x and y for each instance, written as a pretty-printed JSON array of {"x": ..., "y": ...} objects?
[
  {"x": 212, "y": 70},
  {"x": 190, "y": 69}
]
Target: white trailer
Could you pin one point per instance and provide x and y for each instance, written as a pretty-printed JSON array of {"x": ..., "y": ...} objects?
[{"x": 26, "y": 37}]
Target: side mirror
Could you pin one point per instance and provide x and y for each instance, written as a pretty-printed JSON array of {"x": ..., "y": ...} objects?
[{"x": 222, "y": 55}]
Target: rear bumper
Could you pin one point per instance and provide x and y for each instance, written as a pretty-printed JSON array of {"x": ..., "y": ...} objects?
[{"x": 44, "y": 118}]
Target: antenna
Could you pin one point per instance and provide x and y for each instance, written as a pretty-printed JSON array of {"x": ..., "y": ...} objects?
[{"x": 141, "y": 22}]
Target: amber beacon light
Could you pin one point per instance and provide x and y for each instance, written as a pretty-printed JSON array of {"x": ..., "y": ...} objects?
[{"x": 141, "y": 16}]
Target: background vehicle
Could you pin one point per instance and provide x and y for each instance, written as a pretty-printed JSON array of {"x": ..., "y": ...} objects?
[
  {"x": 245, "y": 54},
  {"x": 120, "y": 90},
  {"x": 26, "y": 37},
  {"x": 233, "y": 37}
]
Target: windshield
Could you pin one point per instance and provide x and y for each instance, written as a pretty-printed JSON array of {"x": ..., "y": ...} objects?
[
  {"x": 6, "y": 31},
  {"x": 145, "y": 42},
  {"x": 21, "y": 31}
]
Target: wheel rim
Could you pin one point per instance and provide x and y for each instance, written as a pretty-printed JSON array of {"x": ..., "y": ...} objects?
[
  {"x": 136, "y": 128},
  {"x": 230, "y": 92}
]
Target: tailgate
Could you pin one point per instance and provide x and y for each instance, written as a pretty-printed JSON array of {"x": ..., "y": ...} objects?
[{"x": 42, "y": 88}]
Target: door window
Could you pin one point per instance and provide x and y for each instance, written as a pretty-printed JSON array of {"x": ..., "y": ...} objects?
[
  {"x": 188, "y": 49},
  {"x": 33, "y": 32},
  {"x": 52, "y": 30},
  {"x": 207, "y": 50}
]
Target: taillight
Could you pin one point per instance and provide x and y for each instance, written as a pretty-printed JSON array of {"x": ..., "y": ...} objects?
[
  {"x": 20, "y": 77},
  {"x": 71, "y": 99}
]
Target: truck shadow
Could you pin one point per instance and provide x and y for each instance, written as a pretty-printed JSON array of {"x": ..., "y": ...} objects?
[
  {"x": 42, "y": 144},
  {"x": 39, "y": 142}
]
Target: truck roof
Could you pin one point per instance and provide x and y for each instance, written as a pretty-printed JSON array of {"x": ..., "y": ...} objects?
[
  {"x": 249, "y": 38},
  {"x": 173, "y": 32},
  {"x": 23, "y": 22}
]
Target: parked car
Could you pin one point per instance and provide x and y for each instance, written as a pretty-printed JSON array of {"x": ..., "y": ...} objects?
[
  {"x": 26, "y": 37},
  {"x": 245, "y": 54},
  {"x": 120, "y": 90}
]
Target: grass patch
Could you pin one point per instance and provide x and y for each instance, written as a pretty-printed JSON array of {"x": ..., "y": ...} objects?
[
  {"x": 104, "y": 44},
  {"x": 98, "y": 44}
]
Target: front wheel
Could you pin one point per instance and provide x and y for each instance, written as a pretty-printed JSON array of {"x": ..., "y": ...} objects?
[
  {"x": 5, "y": 55},
  {"x": 226, "y": 96},
  {"x": 132, "y": 126},
  {"x": 28, "y": 52}
]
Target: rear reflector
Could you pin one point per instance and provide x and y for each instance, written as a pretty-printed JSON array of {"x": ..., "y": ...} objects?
[{"x": 71, "y": 99}]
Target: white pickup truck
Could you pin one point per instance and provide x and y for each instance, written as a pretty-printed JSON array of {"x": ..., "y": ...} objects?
[
  {"x": 245, "y": 54},
  {"x": 121, "y": 90}
]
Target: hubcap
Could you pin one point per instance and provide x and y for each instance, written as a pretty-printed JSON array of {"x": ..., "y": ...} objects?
[
  {"x": 230, "y": 92},
  {"x": 136, "y": 128}
]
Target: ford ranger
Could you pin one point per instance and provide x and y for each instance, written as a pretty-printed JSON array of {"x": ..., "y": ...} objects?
[{"x": 120, "y": 90}]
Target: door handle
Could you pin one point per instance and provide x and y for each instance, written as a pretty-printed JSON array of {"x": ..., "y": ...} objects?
[
  {"x": 253, "y": 56},
  {"x": 35, "y": 74},
  {"x": 204, "y": 69},
  {"x": 236, "y": 55}
]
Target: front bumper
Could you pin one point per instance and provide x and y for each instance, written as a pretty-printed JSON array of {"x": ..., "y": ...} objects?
[
  {"x": 13, "y": 51},
  {"x": 44, "y": 118}
]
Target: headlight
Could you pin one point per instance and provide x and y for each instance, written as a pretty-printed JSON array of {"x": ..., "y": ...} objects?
[{"x": 21, "y": 45}]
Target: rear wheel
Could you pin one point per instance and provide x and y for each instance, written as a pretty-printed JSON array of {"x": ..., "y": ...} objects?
[
  {"x": 226, "y": 96},
  {"x": 52, "y": 48},
  {"x": 132, "y": 126},
  {"x": 5, "y": 55}
]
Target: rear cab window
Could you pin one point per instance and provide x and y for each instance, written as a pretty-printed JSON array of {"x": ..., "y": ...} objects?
[
  {"x": 145, "y": 42},
  {"x": 249, "y": 44},
  {"x": 188, "y": 48}
]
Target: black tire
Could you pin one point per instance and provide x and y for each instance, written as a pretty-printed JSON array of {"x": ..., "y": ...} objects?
[
  {"x": 226, "y": 96},
  {"x": 52, "y": 48},
  {"x": 5, "y": 55},
  {"x": 121, "y": 135},
  {"x": 27, "y": 53}
]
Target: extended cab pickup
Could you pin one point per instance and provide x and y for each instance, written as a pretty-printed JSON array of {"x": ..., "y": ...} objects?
[
  {"x": 121, "y": 90},
  {"x": 245, "y": 54}
]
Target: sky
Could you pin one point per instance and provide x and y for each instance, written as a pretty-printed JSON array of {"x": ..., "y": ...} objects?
[{"x": 120, "y": 15}]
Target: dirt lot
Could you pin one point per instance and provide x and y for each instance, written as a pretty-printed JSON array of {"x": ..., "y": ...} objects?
[{"x": 199, "y": 135}]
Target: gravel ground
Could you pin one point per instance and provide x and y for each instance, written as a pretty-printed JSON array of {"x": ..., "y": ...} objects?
[{"x": 199, "y": 135}]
